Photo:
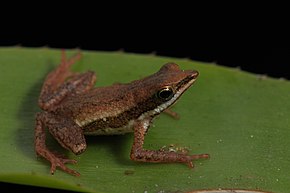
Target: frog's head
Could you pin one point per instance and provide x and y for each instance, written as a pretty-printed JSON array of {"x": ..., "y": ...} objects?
[{"x": 162, "y": 89}]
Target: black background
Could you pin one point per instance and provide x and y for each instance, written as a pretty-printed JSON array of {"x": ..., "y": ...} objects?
[{"x": 270, "y": 60}]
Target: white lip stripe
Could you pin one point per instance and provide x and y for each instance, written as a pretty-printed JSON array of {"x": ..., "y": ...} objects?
[{"x": 163, "y": 106}]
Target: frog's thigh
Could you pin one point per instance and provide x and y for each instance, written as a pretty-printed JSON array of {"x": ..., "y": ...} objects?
[{"x": 68, "y": 134}]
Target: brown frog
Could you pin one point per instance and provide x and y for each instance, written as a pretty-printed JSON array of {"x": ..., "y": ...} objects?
[{"x": 72, "y": 108}]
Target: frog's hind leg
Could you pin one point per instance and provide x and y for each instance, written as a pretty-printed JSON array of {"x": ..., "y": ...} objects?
[
  {"x": 72, "y": 139},
  {"x": 62, "y": 83},
  {"x": 57, "y": 77}
]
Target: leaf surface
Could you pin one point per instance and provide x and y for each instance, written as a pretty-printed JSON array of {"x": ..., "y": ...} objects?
[{"x": 240, "y": 119}]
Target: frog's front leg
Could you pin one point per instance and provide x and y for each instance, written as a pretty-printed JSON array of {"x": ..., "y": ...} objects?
[
  {"x": 62, "y": 83},
  {"x": 140, "y": 154},
  {"x": 171, "y": 113},
  {"x": 67, "y": 133}
]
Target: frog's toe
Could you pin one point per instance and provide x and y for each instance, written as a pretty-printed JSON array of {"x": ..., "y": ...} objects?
[
  {"x": 52, "y": 169},
  {"x": 60, "y": 162},
  {"x": 70, "y": 171},
  {"x": 71, "y": 161},
  {"x": 199, "y": 156},
  {"x": 190, "y": 158}
]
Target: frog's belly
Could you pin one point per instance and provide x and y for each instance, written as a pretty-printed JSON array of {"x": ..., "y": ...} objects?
[{"x": 110, "y": 131}]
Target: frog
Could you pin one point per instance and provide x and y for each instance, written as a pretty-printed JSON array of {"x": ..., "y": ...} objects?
[{"x": 72, "y": 107}]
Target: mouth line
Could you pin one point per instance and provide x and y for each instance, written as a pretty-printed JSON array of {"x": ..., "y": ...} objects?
[{"x": 185, "y": 84}]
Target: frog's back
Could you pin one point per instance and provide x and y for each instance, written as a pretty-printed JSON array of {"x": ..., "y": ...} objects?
[{"x": 103, "y": 111}]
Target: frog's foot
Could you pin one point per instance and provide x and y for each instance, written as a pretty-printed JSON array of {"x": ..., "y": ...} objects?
[
  {"x": 189, "y": 158},
  {"x": 60, "y": 162},
  {"x": 66, "y": 63},
  {"x": 165, "y": 156},
  {"x": 57, "y": 77}
]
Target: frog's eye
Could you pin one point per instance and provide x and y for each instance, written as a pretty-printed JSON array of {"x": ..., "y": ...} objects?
[{"x": 165, "y": 93}]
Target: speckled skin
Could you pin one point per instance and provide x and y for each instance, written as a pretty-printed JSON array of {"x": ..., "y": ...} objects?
[{"x": 72, "y": 108}]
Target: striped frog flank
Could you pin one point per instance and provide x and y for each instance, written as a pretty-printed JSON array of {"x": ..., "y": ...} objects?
[{"x": 72, "y": 108}]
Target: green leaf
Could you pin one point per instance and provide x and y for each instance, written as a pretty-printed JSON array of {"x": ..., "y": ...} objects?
[{"x": 242, "y": 120}]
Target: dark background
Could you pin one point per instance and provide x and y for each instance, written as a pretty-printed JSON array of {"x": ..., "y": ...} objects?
[{"x": 259, "y": 58}]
